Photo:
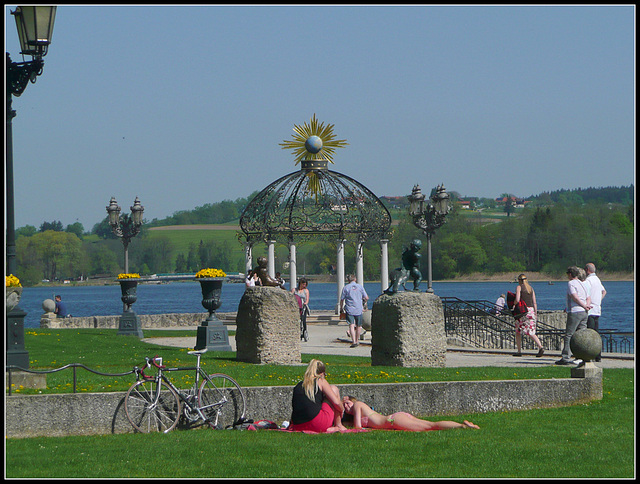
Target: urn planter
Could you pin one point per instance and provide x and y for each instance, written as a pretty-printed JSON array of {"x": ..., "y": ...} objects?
[
  {"x": 212, "y": 334},
  {"x": 129, "y": 324}
]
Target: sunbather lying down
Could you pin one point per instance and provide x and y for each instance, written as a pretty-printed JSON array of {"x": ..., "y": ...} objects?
[{"x": 364, "y": 416}]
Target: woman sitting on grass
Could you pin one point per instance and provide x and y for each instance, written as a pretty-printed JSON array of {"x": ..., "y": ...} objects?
[
  {"x": 365, "y": 416},
  {"x": 316, "y": 403}
]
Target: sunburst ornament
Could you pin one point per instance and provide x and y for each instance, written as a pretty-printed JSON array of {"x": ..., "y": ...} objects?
[{"x": 313, "y": 141}]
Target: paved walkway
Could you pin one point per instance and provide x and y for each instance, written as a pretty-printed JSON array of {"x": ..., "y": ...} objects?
[{"x": 331, "y": 339}]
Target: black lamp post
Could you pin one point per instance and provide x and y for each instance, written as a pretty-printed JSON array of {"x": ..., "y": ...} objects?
[
  {"x": 35, "y": 27},
  {"x": 429, "y": 217},
  {"x": 126, "y": 227}
]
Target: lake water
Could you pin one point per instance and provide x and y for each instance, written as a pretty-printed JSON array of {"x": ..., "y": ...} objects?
[{"x": 618, "y": 307}]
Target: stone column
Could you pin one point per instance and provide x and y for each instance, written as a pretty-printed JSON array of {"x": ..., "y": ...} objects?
[
  {"x": 293, "y": 270},
  {"x": 340, "y": 271},
  {"x": 407, "y": 329},
  {"x": 359, "y": 263},
  {"x": 268, "y": 327},
  {"x": 384, "y": 265},
  {"x": 248, "y": 258},
  {"x": 271, "y": 266}
]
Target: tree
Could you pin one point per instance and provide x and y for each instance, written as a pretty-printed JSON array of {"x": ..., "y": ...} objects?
[
  {"x": 56, "y": 226},
  {"x": 56, "y": 253},
  {"x": 76, "y": 228}
]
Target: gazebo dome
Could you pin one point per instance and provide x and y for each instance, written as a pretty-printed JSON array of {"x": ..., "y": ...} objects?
[{"x": 315, "y": 203}]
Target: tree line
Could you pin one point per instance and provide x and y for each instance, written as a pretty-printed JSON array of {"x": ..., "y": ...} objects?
[{"x": 555, "y": 230}]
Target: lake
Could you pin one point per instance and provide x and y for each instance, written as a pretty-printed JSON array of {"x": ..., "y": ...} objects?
[{"x": 618, "y": 307}]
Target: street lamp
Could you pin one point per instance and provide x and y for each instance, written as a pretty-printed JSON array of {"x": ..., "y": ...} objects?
[
  {"x": 429, "y": 217},
  {"x": 35, "y": 28},
  {"x": 126, "y": 227}
]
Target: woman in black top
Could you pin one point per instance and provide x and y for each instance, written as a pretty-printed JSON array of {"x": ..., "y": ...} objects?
[{"x": 317, "y": 405}]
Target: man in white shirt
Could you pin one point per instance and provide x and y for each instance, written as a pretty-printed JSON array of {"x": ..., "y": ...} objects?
[{"x": 597, "y": 293}]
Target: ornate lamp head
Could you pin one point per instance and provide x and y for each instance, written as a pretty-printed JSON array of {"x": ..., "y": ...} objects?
[
  {"x": 114, "y": 212},
  {"x": 136, "y": 212}
]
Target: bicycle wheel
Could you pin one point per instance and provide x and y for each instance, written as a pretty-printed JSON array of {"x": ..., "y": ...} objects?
[
  {"x": 221, "y": 401},
  {"x": 148, "y": 415}
]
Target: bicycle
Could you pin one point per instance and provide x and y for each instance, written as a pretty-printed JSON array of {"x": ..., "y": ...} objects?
[{"x": 155, "y": 404}]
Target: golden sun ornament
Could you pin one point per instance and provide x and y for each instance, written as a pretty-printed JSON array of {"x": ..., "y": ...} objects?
[{"x": 313, "y": 141}]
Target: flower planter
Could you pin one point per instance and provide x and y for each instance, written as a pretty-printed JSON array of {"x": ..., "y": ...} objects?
[
  {"x": 212, "y": 334},
  {"x": 129, "y": 324},
  {"x": 211, "y": 295},
  {"x": 128, "y": 287}
]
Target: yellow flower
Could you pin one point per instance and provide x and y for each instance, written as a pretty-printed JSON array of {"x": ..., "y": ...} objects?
[
  {"x": 129, "y": 276},
  {"x": 210, "y": 273},
  {"x": 12, "y": 281}
]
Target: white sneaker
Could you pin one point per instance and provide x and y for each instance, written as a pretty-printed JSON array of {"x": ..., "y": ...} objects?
[{"x": 577, "y": 362}]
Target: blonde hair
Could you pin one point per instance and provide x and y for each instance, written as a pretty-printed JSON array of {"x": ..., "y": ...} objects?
[
  {"x": 522, "y": 279},
  {"x": 310, "y": 380}
]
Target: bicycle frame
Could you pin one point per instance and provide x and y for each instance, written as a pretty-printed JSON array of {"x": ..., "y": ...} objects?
[{"x": 190, "y": 400}]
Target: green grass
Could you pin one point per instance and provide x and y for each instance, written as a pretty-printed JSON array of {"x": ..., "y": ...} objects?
[{"x": 594, "y": 440}]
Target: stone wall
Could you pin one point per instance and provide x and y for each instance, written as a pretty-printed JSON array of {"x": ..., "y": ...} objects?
[
  {"x": 103, "y": 413},
  {"x": 147, "y": 321}
]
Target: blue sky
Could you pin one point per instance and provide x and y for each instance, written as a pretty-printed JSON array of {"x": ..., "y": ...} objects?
[{"x": 186, "y": 105}]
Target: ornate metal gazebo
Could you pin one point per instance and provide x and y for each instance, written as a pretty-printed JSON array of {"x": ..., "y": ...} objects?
[{"x": 316, "y": 203}]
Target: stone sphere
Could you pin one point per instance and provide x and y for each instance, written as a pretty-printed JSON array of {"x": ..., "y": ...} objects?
[
  {"x": 313, "y": 144},
  {"x": 586, "y": 344},
  {"x": 48, "y": 305}
]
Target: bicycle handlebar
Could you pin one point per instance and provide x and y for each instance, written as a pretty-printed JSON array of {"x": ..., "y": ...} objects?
[{"x": 147, "y": 364}]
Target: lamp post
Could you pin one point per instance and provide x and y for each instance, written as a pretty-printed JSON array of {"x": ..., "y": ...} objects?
[
  {"x": 35, "y": 28},
  {"x": 126, "y": 227},
  {"x": 429, "y": 216}
]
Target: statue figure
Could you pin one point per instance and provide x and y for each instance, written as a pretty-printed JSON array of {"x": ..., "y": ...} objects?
[
  {"x": 263, "y": 273},
  {"x": 410, "y": 262}
]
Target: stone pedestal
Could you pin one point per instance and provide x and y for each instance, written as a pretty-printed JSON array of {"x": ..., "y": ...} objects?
[
  {"x": 268, "y": 327},
  {"x": 129, "y": 325},
  {"x": 407, "y": 329}
]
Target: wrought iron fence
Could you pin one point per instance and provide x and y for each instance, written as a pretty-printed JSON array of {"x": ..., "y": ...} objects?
[
  {"x": 11, "y": 368},
  {"x": 477, "y": 323}
]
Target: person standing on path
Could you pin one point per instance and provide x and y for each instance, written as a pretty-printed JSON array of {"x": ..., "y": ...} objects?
[
  {"x": 352, "y": 302},
  {"x": 578, "y": 303},
  {"x": 597, "y": 293},
  {"x": 527, "y": 323}
]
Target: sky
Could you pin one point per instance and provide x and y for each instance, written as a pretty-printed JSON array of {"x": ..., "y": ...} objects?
[{"x": 183, "y": 106}]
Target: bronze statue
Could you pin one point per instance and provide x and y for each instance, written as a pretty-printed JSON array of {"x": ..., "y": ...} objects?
[
  {"x": 410, "y": 262},
  {"x": 263, "y": 273}
]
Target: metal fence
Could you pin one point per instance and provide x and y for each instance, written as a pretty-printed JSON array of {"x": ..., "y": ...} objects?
[
  {"x": 478, "y": 324},
  {"x": 11, "y": 368}
]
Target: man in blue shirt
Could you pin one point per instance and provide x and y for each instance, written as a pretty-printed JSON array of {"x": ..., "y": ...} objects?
[
  {"x": 351, "y": 303},
  {"x": 61, "y": 308}
]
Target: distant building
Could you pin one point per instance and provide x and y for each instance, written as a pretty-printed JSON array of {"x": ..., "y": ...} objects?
[{"x": 517, "y": 202}]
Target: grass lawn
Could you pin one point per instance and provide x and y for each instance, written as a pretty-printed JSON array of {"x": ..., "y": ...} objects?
[{"x": 594, "y": 440}]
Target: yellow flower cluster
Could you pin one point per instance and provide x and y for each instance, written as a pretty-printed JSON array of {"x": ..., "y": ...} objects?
[
  {"x": 210, "y": 273},
  {"x": 129, "y": 276},
  {"x": 12, "y": 281}
]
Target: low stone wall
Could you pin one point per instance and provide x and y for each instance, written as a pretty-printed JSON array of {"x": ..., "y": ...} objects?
[
  {"x": 147, "y": 321},
  {"x": 103, "y": 413}
]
